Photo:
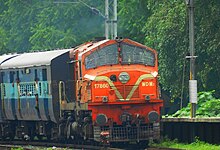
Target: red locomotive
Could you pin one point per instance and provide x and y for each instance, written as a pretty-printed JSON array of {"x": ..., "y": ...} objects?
[
  {"x": 118, "y": 80},
  {"x": 106, "y": 91}
]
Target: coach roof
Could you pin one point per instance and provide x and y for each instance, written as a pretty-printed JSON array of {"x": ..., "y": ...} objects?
[
  {"x": 6, "y": 57},
  {"x": 33, "y": 59}
]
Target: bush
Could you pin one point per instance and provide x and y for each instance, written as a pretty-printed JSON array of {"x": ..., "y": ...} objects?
[{"x": 208, "y": 106}]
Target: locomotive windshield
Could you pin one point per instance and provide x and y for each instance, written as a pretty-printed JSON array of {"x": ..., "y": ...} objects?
[
  {"x": 105, "y": 56},
  {"x": 130, "y": 54},
  {"x": 137, "y": 55}
]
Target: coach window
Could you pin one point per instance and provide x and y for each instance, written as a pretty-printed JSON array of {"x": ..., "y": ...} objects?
[
  {"x": 44, "y": 74},
  {"x": 12, "y": 76},
  {"x": 105, "y": 56},
  {"x": 17, "y": 76},
  {"x": 132, "y": 54},
  {"x": 35, "y": 75}
]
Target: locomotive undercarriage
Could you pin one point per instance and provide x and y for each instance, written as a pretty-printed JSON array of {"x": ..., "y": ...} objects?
[{"x": 128, "y": 133}]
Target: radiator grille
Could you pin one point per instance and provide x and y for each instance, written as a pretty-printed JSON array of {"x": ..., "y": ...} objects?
[{"x": 126, "y": 89}]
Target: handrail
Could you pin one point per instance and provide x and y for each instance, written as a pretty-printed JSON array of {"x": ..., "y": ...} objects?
[
  {"x": 19, "y": 94},
  {"x": 36, "y": 95},
  {"x": 62, "y": 92},
  {"x": 19, "y": 100},
  {"x": 3, "y": 97}
]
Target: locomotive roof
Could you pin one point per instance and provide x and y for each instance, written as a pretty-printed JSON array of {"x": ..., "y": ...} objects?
[
  {"x": 86, "y": 47},
  {"x": 33, "y": 59}
]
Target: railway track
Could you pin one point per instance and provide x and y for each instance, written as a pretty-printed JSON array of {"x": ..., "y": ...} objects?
[
  {"x": 33, "y": 145},
  {"x": 30, "y": 145},
  {"x": 9, "y": 147}
]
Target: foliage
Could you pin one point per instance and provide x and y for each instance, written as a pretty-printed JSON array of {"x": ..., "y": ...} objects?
[
  {"x": 162, "y": 25},
  {"x": 208, "y": 45},
  {"x": 208, "y": 106},
  {"x": 133, "y": 15},
  {"x": 3, "y": 41},
  {"x": 166, "y": 31},
  {"x": 64, "y": 26},
  {"x": 37, "y": 25},
  {"x": 197, "y": 145},
  {"x": 20, "y": 148}
]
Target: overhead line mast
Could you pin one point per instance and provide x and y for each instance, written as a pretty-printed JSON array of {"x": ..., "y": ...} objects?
[{"x": 192, "y": 57}]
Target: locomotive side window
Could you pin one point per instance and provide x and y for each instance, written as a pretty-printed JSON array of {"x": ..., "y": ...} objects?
[
  {"x": 137, "y": 55},
  {"x": 105, "y": 56}
]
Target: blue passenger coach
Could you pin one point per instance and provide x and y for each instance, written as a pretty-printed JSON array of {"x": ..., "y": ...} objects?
[{"x": 29, "y": 85}]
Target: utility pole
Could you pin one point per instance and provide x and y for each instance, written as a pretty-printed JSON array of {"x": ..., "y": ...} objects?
[
  {"x": 192, "y": 57},
  {"x": 111, "y": 19},
  {"x": 106, "y": 20},
  {"x": 115, "y": 19}
]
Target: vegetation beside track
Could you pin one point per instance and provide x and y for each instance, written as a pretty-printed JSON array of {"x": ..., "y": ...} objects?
[
  {"x": 197, "y": 145},
  {"x": 208, "y": 106}
]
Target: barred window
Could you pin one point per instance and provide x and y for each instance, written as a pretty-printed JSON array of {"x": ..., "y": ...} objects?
[
  {"x": 132, "y": 54},
  {"x": 27, "y": 89}
]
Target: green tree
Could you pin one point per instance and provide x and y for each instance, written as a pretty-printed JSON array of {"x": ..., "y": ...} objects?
[
  {"x": 3, "y": 41},
  {"x": 47, "y": 25},
  {"x": 16, "y": 20},
  {"x": 207, "y": 44},
  {"x": 65, "y": 25},
  {"x": 132, "y": 18},
  {"x": 166, "y": 31},
  {"x": 162, "y": 25}
]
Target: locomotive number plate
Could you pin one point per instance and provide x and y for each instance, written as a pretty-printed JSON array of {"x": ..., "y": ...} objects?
[
  {"x": 147, "y": 83},
  {"x": 101, "y": 86}
]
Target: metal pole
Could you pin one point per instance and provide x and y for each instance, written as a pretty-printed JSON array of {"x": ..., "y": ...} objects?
[
  {"x": 106, "y": 20},
  {"x": 115, "y": 19},
  {"x": 192, "y": 51}
]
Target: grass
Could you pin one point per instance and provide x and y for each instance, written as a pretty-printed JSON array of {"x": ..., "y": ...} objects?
[{"x": 197, "y": 145}]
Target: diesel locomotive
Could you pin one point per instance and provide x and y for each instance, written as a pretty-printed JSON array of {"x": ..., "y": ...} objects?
[{"x": 104, "y": 90}]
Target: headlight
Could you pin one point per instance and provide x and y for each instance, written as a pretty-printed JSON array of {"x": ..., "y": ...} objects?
[
  {"x": 153, "y": 116},
  {"x": 124, "y": 77},
  {"x": 101, "y": 119}
]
